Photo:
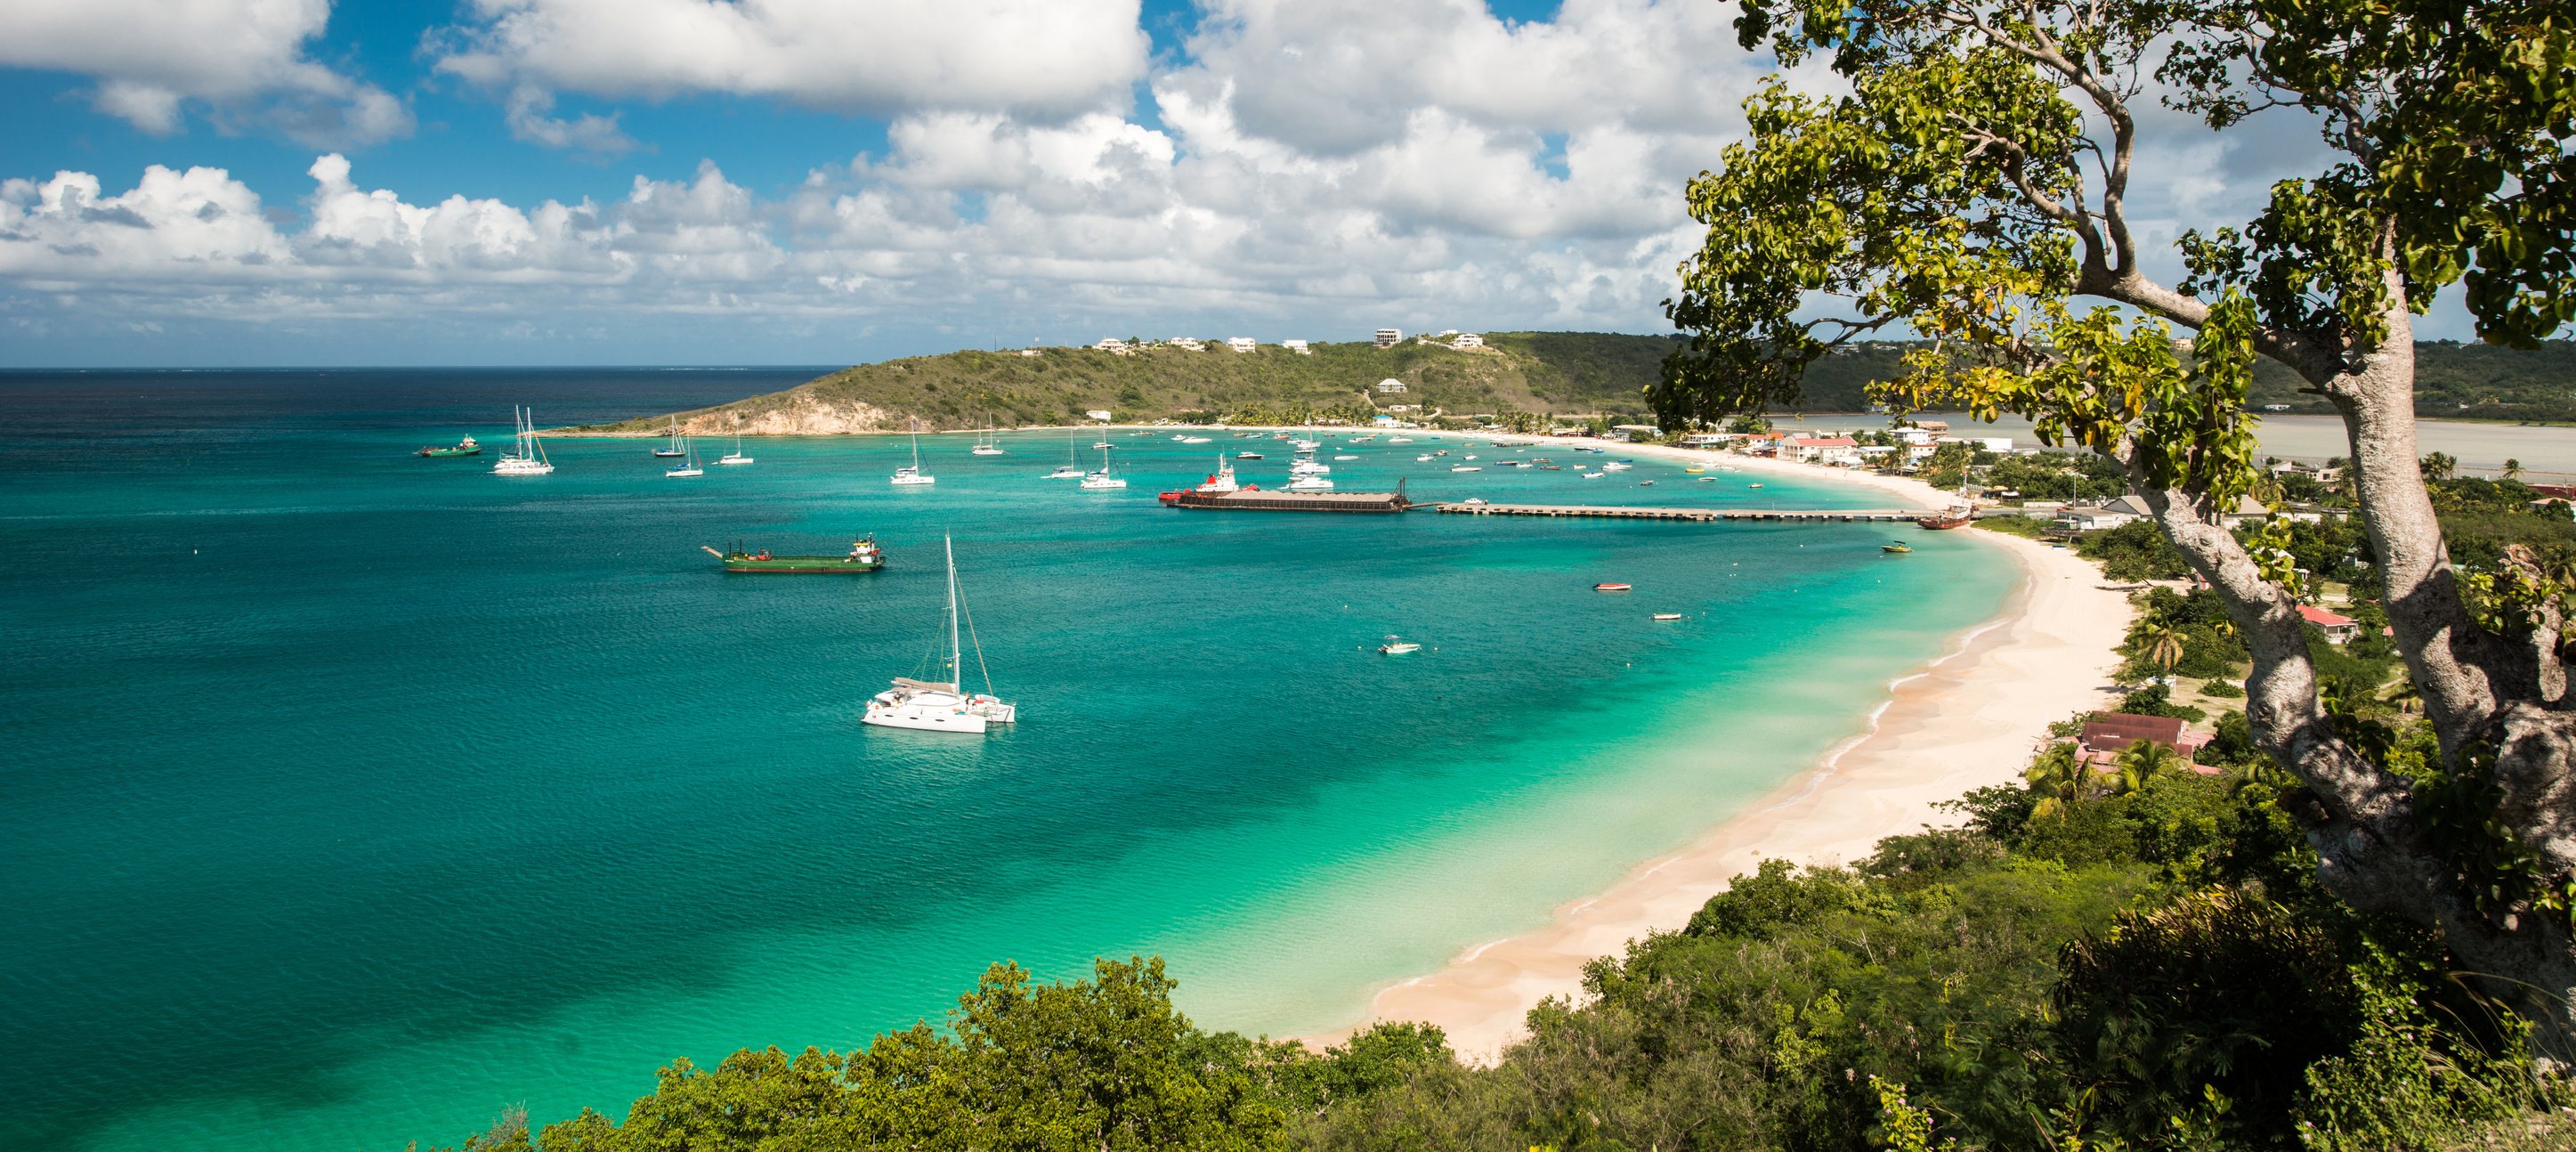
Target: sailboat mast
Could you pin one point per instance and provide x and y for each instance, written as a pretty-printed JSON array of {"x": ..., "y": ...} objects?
[{"x": 956, "y": 657}]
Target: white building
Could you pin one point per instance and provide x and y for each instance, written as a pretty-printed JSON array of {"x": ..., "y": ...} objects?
[
  {"x": 1028, "y": 352},
  {"x": 1185, "y": 343},
  {"x": 1389, "y": 337},
  {"x": 1241, "y": 343},
  {"x": 1100, "y": 414},
  {"x": 1112, "y": 344},
  {"x": 1390, "y": 387},
  {"x": 1467, "y": 340},
  {"x": 1296, "y": 346},
  {"x": 1825, "y": 449}
]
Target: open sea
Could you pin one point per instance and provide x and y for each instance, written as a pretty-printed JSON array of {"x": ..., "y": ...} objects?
[{"x": 347, "y": 797}]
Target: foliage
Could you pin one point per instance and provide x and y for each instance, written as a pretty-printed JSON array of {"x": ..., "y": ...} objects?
[{"x": 2133, "y": 551}]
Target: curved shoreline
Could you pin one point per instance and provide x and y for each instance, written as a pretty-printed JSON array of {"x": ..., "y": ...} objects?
[{"x": 1967, "y": 719}]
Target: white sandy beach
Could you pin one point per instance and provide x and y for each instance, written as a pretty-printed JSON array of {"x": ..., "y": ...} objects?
[{"x": 1970, "y": 719}]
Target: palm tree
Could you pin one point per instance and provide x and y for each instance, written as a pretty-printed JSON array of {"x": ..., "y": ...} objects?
[
  {"x": 2440, "y": 466},
  {"x": 2512, "y": 469},
  {"x": 2162, "y": 647},
  {"x": 2057, "y": 779},
  {"x": 2141, "y": 762}
]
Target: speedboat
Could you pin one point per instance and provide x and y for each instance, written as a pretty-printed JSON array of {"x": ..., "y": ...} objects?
[
  {"x": 1594, "y": 475},
  {"x": 1345, "y": 457},
  {"x": 1668, "y": 615},
  {"x": 1465, "y": 468},
  {"x": 1395, "y": 647},
  {"x": 1248, "y": 456}
]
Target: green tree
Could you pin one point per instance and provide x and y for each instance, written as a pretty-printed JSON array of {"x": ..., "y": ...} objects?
[
  {"x": 2162, "y": 647},
  {"x": 1971, "y": 184},
  {"x": 2512, "y": 469},
  {"x": 2440, "y": 466},
  {"x": 2142, "y": 762},
  {"x": 2057, "y": 778}
]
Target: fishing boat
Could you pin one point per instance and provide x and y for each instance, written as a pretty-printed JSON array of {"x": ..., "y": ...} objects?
[
  {"x": 735, "y": 456},
  {"x": 912, "y": 473},
  {"x": 1070, "y": 470},
  {"x": 688, "y": 465},
  {"x": 1610, "y": 587},
  {"x": 942, "y": 705},
  {"x": 529, "y": 457},
  {"x": 1397, "y": 647},
  {"x": 1102, "y": 479},
  {"x": 1956, "y": 517},
  {"x": 1668, "y": 615},
  {"x": 864, "y": 556},
  {"x": 464, "y": 447},
  {"x": 1893, "y": 548},
  {"x": 673, "y": 450}
]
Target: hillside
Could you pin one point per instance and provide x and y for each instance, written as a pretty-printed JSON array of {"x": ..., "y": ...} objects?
[
  {"x": 1562, "y": 373},
  {"x": 1546, "y": 373}
]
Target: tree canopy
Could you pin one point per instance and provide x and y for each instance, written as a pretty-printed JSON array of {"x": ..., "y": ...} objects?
[{"x": 1970, "y": 187}]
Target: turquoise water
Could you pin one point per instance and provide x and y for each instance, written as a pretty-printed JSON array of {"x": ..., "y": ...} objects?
[{"x": 348, "y": 797}]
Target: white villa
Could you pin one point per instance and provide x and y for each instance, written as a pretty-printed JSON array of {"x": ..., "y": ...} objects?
[
  {"x": 1390, "y": 387},
  {"x": 1185, "y": 343},
  {"x": 1296, "y": 346},
  {"x": 1241, "y": 343},
  {"x": 1389, "y": 337},
  {"x": 1113, "y": 345},
  {"x": 1467, "y": 340}
]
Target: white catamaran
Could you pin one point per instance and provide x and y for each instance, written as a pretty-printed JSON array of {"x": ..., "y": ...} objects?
[
  {"x": 942, "y": 705},
  {"x": 529, "y": 458},
  {"x": 912, "y": 473},
  {"x": 1103, "y": 478}
]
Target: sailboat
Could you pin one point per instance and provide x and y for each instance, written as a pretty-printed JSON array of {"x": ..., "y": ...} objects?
[
  {"x": 688, "y": 465},
  {"x": 674, "y": 449},
  {"x": 911, "y": 473},
  {"x": 942, "y": 705},
  {"x": 984, "y": 445},
  {"x": 735, "y": 456},
  {"x": 1071, "y": 470},
  {"x": 1102, "y": 478},
  {"x": 529, "y": 457}
]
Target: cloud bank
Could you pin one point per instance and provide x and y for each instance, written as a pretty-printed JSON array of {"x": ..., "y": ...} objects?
[{"x": 242, "y": 61}]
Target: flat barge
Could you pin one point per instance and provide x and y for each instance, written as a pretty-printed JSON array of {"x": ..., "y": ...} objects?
[
  {"x": 864, "y": 556},
  {"x": 1257, "y": 500}
]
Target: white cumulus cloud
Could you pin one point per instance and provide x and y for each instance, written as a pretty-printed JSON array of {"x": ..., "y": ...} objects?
[
  {"x": 1051, "y": 58},
  {"x": 243, "y": 59}
]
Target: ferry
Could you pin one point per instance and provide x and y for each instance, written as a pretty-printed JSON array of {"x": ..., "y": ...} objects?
[{"x": 864, "y": 556}]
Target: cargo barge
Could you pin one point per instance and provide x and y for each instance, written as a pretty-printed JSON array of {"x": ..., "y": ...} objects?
[
  {"x": 864, "y": 556},
  {"x": 1254, "y": 499}
]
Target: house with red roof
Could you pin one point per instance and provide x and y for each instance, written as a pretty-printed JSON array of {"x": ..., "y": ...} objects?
[{"x": 2338, "y": 628}]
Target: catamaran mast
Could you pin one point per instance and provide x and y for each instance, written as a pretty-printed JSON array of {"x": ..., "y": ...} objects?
[{"x": 956, "y": 656}]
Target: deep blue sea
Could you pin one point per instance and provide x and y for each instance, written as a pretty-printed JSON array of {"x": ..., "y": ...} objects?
[{"x": 347, "y": 797}]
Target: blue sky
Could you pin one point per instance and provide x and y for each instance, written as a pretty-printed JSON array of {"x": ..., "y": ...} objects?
[{"x": 821, "y": 181}]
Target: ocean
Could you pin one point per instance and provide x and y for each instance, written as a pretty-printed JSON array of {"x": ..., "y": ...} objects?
[{"x": 348, "y": 797}]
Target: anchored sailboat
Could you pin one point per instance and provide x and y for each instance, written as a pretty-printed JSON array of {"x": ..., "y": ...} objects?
[
  {"x": 688, "y": 465},
  {"x": 943, "y": 705},
  {"x": 912, "y": 473},
  {"x": 984, "y": 442},
  {"x": 735, "y": 456},
  {"x": 1071, "y": 470},
  {"x": 529, "y": 457},
  {"x": 674, "y": 449}
]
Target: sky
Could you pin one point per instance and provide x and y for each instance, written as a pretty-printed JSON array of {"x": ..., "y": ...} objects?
[{"x": 615, "y": 182}]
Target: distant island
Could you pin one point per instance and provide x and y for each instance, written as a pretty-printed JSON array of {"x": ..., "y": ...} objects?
[{"x": 1516, "y": 378}]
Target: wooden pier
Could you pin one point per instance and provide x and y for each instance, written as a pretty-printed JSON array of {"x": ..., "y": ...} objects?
[{"x": 1616, "y": 512}]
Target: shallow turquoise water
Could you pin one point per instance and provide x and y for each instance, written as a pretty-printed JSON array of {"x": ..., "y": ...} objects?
[{"x": 346, "y": 797}]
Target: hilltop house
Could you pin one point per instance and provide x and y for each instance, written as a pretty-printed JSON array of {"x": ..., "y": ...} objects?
[
  {"x": 1241, "y": 343},
  {"x": 1113, "y": 345},
  {"x": 1389, "y": 337},
  {"x": 1390, "y": 387},
  {"x": 1297, "y": 346},
  {"x": 1467, "y": 340},
  {"x": 1185, "y": 343}
]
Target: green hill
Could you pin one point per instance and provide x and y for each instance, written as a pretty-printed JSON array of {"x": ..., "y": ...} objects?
[
  {"x": 1558, "y": 373},
  {"x": 1562, "y": 374}
]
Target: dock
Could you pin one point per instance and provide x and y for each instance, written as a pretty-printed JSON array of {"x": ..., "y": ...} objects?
[{"x": 1702, "y": 514}]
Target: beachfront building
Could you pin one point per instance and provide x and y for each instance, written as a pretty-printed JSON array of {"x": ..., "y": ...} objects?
[
  {"x": 1389, "y": 337},
  {"x": 1998, "y": 444},
  {"x": 1390, "y": 387},
  {"x": 1467, "y": 340},
  {"x": 1708, "y": 439},
  {"x": 1833, "y": 450},
  {"x": 1297, "y": 346},
  {"x": 2109, "y": 734},
  {"x": 2339, "y": 628},
  {"x": 2100, "y": 517}
]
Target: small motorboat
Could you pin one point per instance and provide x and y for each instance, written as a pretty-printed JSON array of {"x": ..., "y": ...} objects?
[
  {"x": 1465, "y": 468},
  {"x": 1594, "y": 475},
  {"x": 1247, "y": 456},
  {"x": 1345, "y": 457},
  {"x": 1610, "y": 587},
  {"x": 1694, "y": 470},
  {"x": 1396, "y": 647},
  {"x": 1668, "y": 615},
  {"x": 1757, "y": 484},
  {"x": 1645, "y": 483},
  {"x": 1894, "y": 549}
]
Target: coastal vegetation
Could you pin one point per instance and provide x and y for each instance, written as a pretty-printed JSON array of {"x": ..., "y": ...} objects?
[
  {"x": 1971, "y": 185},
  {"x": 1525, "y": 381}
]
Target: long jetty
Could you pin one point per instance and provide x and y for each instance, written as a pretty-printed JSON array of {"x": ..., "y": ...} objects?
[{"x": 1617, "y": 512}]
